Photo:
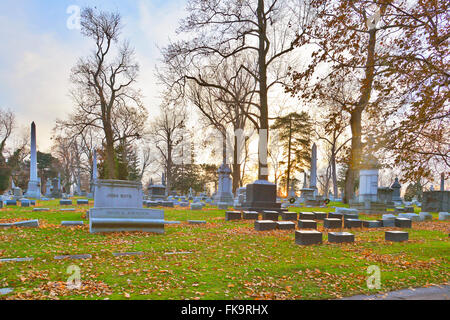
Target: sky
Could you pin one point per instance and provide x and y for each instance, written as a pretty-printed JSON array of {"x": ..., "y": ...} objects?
[{"x": 39, "y": 47}]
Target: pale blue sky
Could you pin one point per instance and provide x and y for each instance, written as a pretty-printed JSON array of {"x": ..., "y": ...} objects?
[{"x": 38, "y": 51}]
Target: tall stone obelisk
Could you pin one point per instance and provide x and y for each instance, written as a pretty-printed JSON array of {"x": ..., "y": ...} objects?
[
  {"x": 34, "y": 188},
  {"x": 313, "y": 177},
  {"x": 94, "y": 171}
]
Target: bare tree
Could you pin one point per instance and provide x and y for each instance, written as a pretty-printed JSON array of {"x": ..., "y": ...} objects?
[
  {"x": 167, "y": 133},
  {"x": 104, "y": 84},
  {"x": 265, "y": 31},
  {"x": 7, "y": 123}
]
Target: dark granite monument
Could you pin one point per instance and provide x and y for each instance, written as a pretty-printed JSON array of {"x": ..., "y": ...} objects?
[
  {"x": 260, "y": 196},
  {"x": 436, "y": 201}
]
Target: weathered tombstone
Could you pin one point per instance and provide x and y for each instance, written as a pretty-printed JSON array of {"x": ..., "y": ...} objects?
[
  {"x": 270, "y": 215},
  {"x": 118, "y": 207},
  {"x": 320, "y": 215},
  {"x": 265, "y": 225},
  {"x": 396, "y": 187},
  {"x": 196, "y": 206},
  {"x": 313, "y": 177},
  {"x": 352, "y": 223},
  {"x": 82, "y": 201},
  {"x": 385, "y": 195},
  {"x": 308, "y": 237},
  {"x": 224, "y": 194},
  {"x": 24, "y": 203},
  {"x": 332, "y": 223},
  {"x": 341, "y": 237},
  {"x": 372, "y": 224},
  {"x": 250, "y": 215},
  {"x": 261, "y": 195},
  {"x": 72, "y": 223},
  {"x": 233, "y": 215},
  {"x": 396, "y": 236},
  {"x": 307, "y": 224},
  {"x": 444, "y": 216},
  {"x": 289, "y": 216},
  {"x": 307, "y": 216},
  {"x": 285, "y": 225},
  {"x": 65, "y": 202},
  {"x": 335, "y": 215},
  {"x": 436, "y": 201},
  {"x": 368, "y": 185},
  {"x": 425, "y": 216},
  {"x": 403, "y": 223}
]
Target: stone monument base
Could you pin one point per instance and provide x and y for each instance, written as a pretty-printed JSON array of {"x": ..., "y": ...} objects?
[{"x": 33, "y": 190}]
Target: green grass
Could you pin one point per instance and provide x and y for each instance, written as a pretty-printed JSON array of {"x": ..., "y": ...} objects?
[{"x": 228, "y": 260}]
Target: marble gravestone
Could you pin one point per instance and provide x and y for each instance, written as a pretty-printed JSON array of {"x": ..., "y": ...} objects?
[
  {"x": 368, "y": 185},
  {"x": 118, "y": 208},
  {"x": 34, "y": 184},
  {"x": 224, "y": 193},
  {"x": 313, "y": 177}
]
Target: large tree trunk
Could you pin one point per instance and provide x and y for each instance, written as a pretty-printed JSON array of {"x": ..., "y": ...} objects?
[
  {"x": 110, "y": 153},
  {"x": 355, "y": 120},
  {"x": 334, "y": 175},
  {"x": 355, "y": 155},
  {"x": 236, "y": 165},
  {"x": 263, "y": 172}
]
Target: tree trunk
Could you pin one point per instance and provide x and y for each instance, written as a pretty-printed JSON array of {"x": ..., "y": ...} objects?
[
  {"x": 110, "y": 153},
  {"x": 263, "y": 172},
  {"x": 236, "y": 165},
  {"x": 355, "y": 155},
  {"x": 334, "y": 175}
]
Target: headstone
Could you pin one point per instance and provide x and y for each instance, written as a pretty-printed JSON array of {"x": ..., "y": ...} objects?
[
  {"x": 396, "y": 236},
  {"x": 352, "y": 223},
  {"x": 118, "y": 207},
  {"x": 196, "y": 222},
  {"x": 385, "y": 195},
  {"x": 224, "y": 192},
  {"x": 72, "y": 223},
  {"x": 307, "y": 215},
  {"x": 34, "y": 184},
  {"x": 5, "y": 291},
  {"x": 82, "y": 202},
  {"x": 74, "y": 257},
  {"x": 307, "y": 224},
  {"x": 346, "y": 210},
  {"x": 285, "y": 225},
  {"x": 250, "y": 215},
  {"x": 425, "y": 216},
  {"x": 411, "y": 216},
  {"x": 270, "y": 215},
  {"x": 368, "y": 185},
  {"x": 308, "y": 237},
  {"x": 341, "y": 237},
  {"x": 436, "y": 201},
  {"x": 396, "y": 187},
  {"x": 335, "y": 215},
  {"x": 332, "y": 223},
  {"x": 372, "y": 224},
  {"x": 223, "y": 205},
  {"x": 24, "y": 203},
  {"x": 233, "y": 215},
  {"x": 289, "y": 216},
  {"x": 65, "y": 202},
  {"x": 41, "y": 209},
  {"x": 318, "y": 215},
  {"x": 196, "y": 206},
  {"x": 265, "y": 225},
  {"x": 444, "y": 216},
  {"x": 260, "y": 196},
  {"x": 403, "y": 223}
]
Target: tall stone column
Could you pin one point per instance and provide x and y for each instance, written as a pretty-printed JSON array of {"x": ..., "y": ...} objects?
[
  {"x": 442, "y": 182},
  {"x": 94, "y": 171},
  {"x": 34, "y": 190},
  {"x": 313, "y": 177}
]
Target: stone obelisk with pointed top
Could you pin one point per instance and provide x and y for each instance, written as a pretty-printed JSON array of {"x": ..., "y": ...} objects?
[
  {"x": 34, "y": 188},
  {"x": 313, "y": 177}
]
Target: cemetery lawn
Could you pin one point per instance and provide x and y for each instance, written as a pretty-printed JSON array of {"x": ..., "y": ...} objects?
[{"x": 219, "y": 260}]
